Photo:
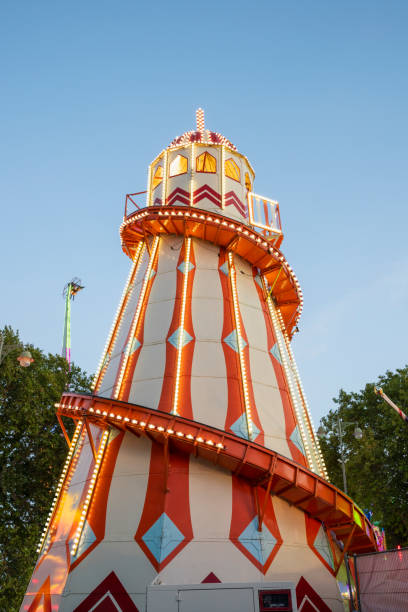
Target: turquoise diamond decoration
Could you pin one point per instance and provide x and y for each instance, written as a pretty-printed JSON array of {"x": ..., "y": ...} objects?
[
  {"x": 183, "y": 267},
  {"x": 276, "y": 352},
  {"x": 106, "y": 360},
  {"x": 258, "y": 281},
  {"x": 232, "y": 341},
  {"x": 240, "y": 428},
  {"x": 133, "y": 345},
  {"x": 113, "y": 433},
  {"x": 152, "y": 273},
  {"x": 225, "y": 268},
  {"x": 297, "y": 440},
  {"x": 259, "y": 544},
  {"x": 322, "y": 546},
  {"x": 174, "y": 338},
  {"x": 87, "y": 539},
  {"x": 162, "y": 538}
]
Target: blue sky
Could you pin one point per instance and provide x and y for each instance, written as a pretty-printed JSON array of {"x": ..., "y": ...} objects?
[{"x": 314, "y": 93}]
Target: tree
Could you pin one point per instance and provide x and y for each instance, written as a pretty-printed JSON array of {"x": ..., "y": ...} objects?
[
  {"x": 377, "y": 466},
  {"x": 32, "y": 451}
]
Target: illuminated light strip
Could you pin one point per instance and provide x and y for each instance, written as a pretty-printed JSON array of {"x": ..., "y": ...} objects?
[
  {"x": 223, "y": 177},
  {"x": 90, "y": 491},
  {"x": 312, "y": 431},
  {"x": 286, "y": 366},
  {"x": 61, "y": 483},
  {"x": 240, "y": 347},
  {"x": 164, "y": 179},
  {"x": 181, "y": 324},
  {"x": 116, "y": 324},
  {"x": 192, "y": 176},
  {"x": 151, "y": 426},
  {"x": 136, "y": 317},
  {"x": 149, "y": 186}
]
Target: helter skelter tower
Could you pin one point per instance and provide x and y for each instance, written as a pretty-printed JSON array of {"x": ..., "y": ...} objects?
[{"x": 194, "y": 479}]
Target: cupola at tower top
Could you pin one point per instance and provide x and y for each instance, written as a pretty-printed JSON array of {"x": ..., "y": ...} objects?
[{"x": 201, "y": 135}]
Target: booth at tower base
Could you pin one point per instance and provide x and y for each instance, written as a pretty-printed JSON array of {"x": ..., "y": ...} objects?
[{"x": 194, "y": 480}]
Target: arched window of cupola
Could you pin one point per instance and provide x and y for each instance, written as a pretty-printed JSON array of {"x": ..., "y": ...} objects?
[
  {"x": 232, "y": 170},
  {"x": 157, "y": 176},
  {"x": 179, "y": 165},
  {"x": 206, "y": 163},
  {"x": 248, "y": 183}
]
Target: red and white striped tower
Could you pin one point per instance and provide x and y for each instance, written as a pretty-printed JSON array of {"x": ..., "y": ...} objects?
[{"x": 194, "y": 474}]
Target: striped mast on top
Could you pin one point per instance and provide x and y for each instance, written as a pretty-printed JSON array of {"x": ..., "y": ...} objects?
[{"x": 200, "y": 120}]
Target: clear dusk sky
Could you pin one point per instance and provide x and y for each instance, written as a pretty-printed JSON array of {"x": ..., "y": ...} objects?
[{"x": 315, "y": 93}]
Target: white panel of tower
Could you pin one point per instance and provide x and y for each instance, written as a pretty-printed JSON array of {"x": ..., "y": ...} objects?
[
  {"x": 109, "y": 377},
  {"x": 209, "y": 389},
  {"x": 149, "y": 371},
  {"x": 266, "y": 391}
]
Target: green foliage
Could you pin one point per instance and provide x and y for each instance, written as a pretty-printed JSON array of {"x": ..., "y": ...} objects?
[
  {"x": 377, "y": 466},
  {"x": 32, "y": 451}
]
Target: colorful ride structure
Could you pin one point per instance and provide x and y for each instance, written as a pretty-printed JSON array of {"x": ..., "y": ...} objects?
[
  {"x": 194, "y": 478},
  {"x": 69, "y": 293}
]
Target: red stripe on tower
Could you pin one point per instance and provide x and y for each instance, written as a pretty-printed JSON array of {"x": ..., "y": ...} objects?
[
  {"x": 258, "y": 542},
  {"x": 180, "y": 342},
  {"x": 242, "y": 418},
  {"x": 94, "y": 531},
  {"x": 136, "y": 340},
  {"x": 165, "y": 526},
  {"x": 145, "y": 264},
  {"x": 276, "y": 359}
]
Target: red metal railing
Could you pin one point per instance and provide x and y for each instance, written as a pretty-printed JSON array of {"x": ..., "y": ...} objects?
[{"x": 130, "y": 198}]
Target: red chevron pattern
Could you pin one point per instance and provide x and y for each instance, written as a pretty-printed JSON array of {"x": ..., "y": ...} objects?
[
  {"x": 109, "y": 596},
  {"x": 231, "y": 199},
  {"x": 307, "y": 598},
  {"x": 178, "y": 196},
  {"x": 205, "y": 191},
  {"x": 157, "y": 202}
]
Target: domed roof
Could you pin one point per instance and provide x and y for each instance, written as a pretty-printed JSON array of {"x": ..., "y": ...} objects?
[
  {"x": 204, "y": 137},
  {"x": 201, "y": 135}
]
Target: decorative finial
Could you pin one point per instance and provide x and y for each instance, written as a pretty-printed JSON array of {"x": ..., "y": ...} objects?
[{"x": 200, "y": 119}]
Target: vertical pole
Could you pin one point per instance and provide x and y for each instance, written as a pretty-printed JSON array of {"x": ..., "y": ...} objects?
[
  {"x": 357, "y": 583},
  {"x": 66, "y": 343},
  {"x": 342, "y": 461},
  {"x": 346, "y": 561}
]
